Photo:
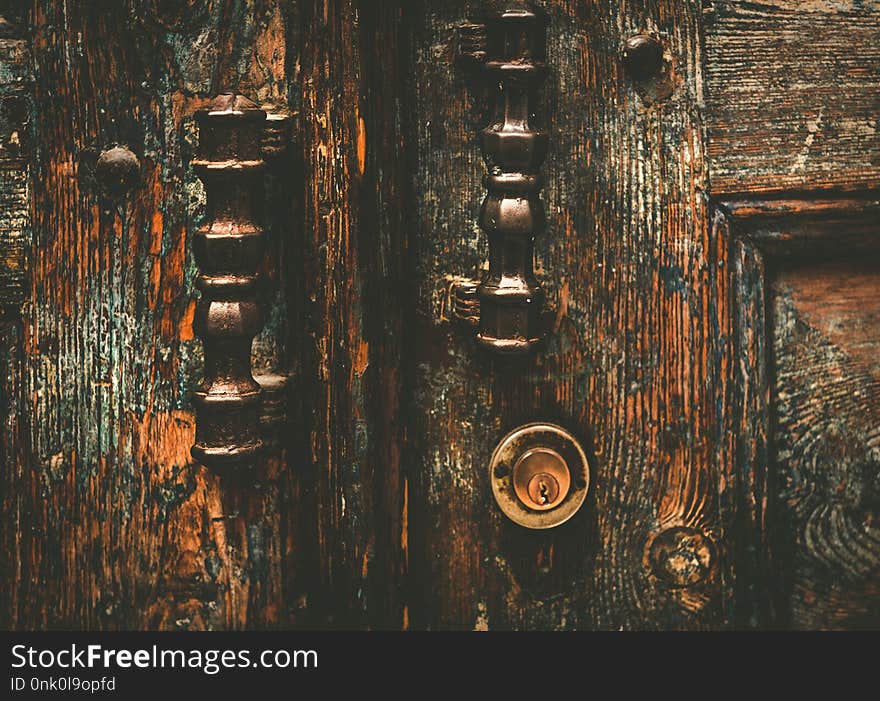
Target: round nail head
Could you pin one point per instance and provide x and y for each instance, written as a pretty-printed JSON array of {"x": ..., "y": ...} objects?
[
  {"x": 117, "y": 170},
  {"x": 643, "y": 57}
]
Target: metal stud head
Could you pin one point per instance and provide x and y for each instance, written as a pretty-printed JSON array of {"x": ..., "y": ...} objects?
[
  {"x": 643, "y": 57},
  {"x": 540, "y": 475},
  {"x": 117, "y": 171}
]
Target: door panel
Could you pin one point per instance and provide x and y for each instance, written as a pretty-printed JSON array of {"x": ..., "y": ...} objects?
[
  {"x": 793, "y": 154},
  {"x": 637, "y": 365},
  {"x": 806, "y": 334},
  {"x": 826, "y": 337},
  {"x": 792, "y": 90}
]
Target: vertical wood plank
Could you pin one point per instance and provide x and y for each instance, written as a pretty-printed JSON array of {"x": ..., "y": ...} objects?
[
  {"x": 639, "y": 365},
  {"x": 354, "y": 263},
  {"x": 16, "y": 150},
  {"x": 116, "y": 528},
  {"x": 751, "y": 580}
]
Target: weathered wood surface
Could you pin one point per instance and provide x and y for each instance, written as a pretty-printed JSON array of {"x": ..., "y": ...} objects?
[
  {"x": 826, "y": 343},
  {"x": 110, "y": 524},
  {"x": 638, "y": 365},
  {"x": 354, "y": 276},
  {"x": 374, "y": 508},
  {"x": 808, "y": 227},
  {"x": 16, "y": 144},
  {"x": 792, "y": 95},
  {"x": 107, "y": 523},
  {"x": 752, "y": 567}
]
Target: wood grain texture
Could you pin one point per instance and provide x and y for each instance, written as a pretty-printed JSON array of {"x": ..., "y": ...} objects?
[
  {"x": 638, "y": 366},
  {"x": 807, "y": 227},
  {"x": 805, "y": 306},
  {"x": 354, "y": 268},
  {"x": 826, "y": 338},
  {"x": 114, "y": 525},
  {"x": 752, "y": 566},
  {"x": 16, "y": 145},
  {"x": 792, "y": 95},
  {"x": 803, "y": 210},
  {"x": 373, "y": 508}
]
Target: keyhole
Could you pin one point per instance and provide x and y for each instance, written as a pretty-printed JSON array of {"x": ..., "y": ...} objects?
[{"x": 543, "y": 491}]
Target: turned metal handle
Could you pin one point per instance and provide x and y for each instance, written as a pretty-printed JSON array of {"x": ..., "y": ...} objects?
[
  {"x": 228, "y": 248},
  {"x": 512, "y": 214}
]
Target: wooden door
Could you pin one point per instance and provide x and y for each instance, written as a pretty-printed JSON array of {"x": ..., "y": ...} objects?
[{"x": 712, "y": 279}]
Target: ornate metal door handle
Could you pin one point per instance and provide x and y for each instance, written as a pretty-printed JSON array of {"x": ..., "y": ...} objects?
[
  {"x": 228, "y": 247},
  {"x": 509, "y": 298}
]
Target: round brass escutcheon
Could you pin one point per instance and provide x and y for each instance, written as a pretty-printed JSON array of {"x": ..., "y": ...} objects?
[{"x": 540, "y": 475}]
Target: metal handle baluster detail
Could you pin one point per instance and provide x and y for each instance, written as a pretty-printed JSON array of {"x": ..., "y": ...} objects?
[
  {"x": 228, "y": 247},
  {"x": 512, "y": 212}
]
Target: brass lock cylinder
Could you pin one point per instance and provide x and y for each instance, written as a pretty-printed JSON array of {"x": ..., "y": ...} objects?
[{"x": 541, "y": 479}]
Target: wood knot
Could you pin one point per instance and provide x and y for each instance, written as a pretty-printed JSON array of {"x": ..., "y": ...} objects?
[{"x": 681, "y": 556}]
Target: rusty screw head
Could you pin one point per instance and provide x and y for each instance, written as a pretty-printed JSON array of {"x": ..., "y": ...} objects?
[
  {"x": 643, "y": 57},
  {"x": 117, "y": 171}
]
